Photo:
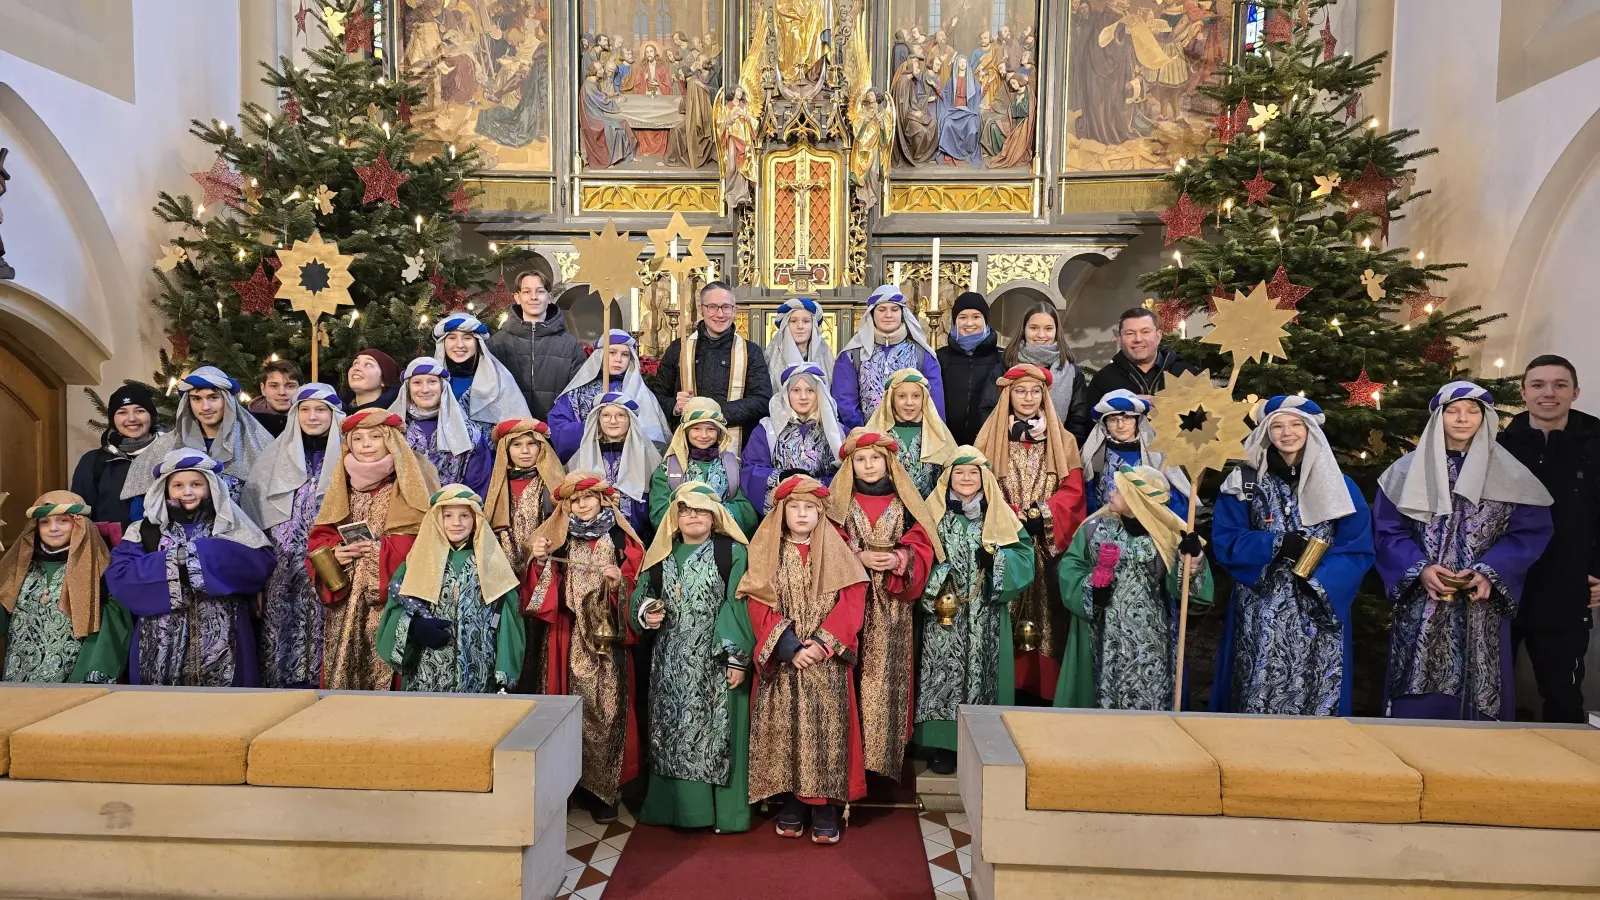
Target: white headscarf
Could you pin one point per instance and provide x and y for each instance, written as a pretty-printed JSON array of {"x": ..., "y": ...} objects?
[
  {"x": 866, "y": 336},
  {"x": 639, "y": 456},
  {"x": 269, "y": 497},
  {"x": 1321, "y": 494},
  {"x": 451, "y": 435},
  {"x": 1127, "y": 403},
  {"x": 780, "y": 413},
  {"x": 494, "y": 395},
  {"x": 231, "y": 522},
  {"x": 1418, "y": 484},
  {"x": 633, "y": 386},
  {"x": 782, "y": 352},
  {"x": 240, "y": 438}
]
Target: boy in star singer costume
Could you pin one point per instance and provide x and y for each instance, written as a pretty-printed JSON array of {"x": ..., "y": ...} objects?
[
  {"x": 614, "y": 445},
  {"x": 701, "y": 450},
  {"x": 526, "y": 472},
  {"x": 908, "y": 414},
  {"x": 623, "y": 376}
]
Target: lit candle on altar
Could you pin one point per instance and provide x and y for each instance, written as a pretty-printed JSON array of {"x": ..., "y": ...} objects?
[
  {"x": 972, "y": 281},
  {"x": 897, "y": 275},
  {"x": 674, "y": 251},
  {"x": 933, "y": 294}
]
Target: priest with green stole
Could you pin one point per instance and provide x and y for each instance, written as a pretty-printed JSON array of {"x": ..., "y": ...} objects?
[{"x": 699, "y": 699}]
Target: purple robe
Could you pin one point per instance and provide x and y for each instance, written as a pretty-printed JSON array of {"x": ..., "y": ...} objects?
[
  {"x": 219, "y": 578},
  {"x": 1452, "y": 660},
  {"x": 636, "y": 511},
  {"x": 472, "y": 468},
  {"x": 803, "y": 447},
  {"x": 958, "y": 120},
  {"x": 291, "y": 614},
  {"x": 568, "y": 415},
  {"x": 855, "y": 388}
]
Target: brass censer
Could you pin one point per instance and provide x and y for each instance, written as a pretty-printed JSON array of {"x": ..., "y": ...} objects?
[
  {"x": 1027, "y": 636},
  {"x": 947, "y": 607}
]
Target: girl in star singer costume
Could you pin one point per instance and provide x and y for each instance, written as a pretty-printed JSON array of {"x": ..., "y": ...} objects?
[
  {"x": 526, "y": 471},
  {"x": 437, "y": 427},
  {"x": 699, "y": 702},
  {"x": 1122, "y": 583},
  {"x": 988, "y": 561},
  {"x": 380, "y": 481},
  {"x": 1035, "y": 460},
  {"x": 450, "y": 625},
  {"x": 1286, "y": 644},
  {"x": 887, "y": 341},
  {"x": 701, "y": 450},
  {"x": 57, "y": 623},
  {"x": 284, "y": 498},
  {"x": 614, "y": 445},
  {"x": 1120, "y": 437},
  {"x": 188, "y": 570},
  {"x": 1459, "y": 506},
  {"x": 211, "y": 420},
  {"x": 805, "y": 593},
  {"x": 799, "y": 436},
  {"x": 797, "y": 339},
  {"x": 585, "y": 565},
  {"x": 908, "y": 415},
  {"x": 623, "y": 376},
  {"x": 480, "y": 382},
  {"x": 893, "y": 533}
]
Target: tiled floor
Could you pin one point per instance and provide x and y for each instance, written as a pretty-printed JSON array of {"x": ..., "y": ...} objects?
[{"x": 593, "y": 851}]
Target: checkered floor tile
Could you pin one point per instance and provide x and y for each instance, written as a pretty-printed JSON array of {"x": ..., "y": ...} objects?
[
  {"x": 948, "y": 841},
  {"x": 592, "y": 852}
]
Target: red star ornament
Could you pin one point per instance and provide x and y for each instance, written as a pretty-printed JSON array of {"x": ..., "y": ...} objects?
[
  {"x": 404, "y": 111},
  {"x": 451, "y": 298},
  {"x": 1328, "y": 40},
  {"x": 1184, "y": 219},
  {"x": 257, "y": 294},
  {"x": 1258, "y": 188},
  {"x": 221, "y": 183},
  {"x": 300, "y": 19},
  {"x": 1286, "y": 294},
  {"x": 291, "y": 110},
  {"x": 180, "y": 344},
  {"x": 1439, "y": 351},
  {"x": 496, "y": 299},
  {"x": 1424, "y": 302},
  {"x": 1241, "y": 115},
  {"x": 1172, "y": 314},
  {"x": 1363, "y": 391},
  {"x": 460, "y": 201},
  {"x": 1224, "y": 127},
  {"x": 1280, "y": 28},
  {"x": 1221, "y": 293},
  {"x": 1350, "y": 108},
  {"x": 382, "y": 181},
  {"x": 1372, "y": 191},
  {"x": 358, "y": 33}
]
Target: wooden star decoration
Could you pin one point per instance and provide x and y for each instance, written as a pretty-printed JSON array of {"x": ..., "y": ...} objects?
[
  {"x": 450, "y": 297},
  {"x": 220, "y": 184},
  {"x": 1374, "y": 285},
  {"x": 1264, "y": 113},
  {"x": 358, "y": 33},
  {"x": 1198, "y": 426},
  {"x": 325, "y": 200},
  {"x": 694, "y": 258},
  {"x": 381, "y": 180},
  {"x": 608, "y": 261},
  {"x": 1257, "y": 189},
  {"x": 171, "y": 256},
  {"x": 1424, "y": 302},
  {"x": 1279, "y": 28},
  {"x": 315, "y": 277},
  {"x": 334, "y": 19},
  {"x": 1182, "y": 220},
  {"x": 1328, "y": 40},
  {"x": 497, "y": 298},
  {"x": 1371, "y": 190},
  {"x": 1284, "y": 293},
  {"x": 460, "y": 201},
  {"x": 413, "y": 269},
  {"x": 1363, "y": 391},
  {"x": 1325, "y": 184},
  {"x": 1249, "y": 327},
  {"x": 256, "y": 295}
]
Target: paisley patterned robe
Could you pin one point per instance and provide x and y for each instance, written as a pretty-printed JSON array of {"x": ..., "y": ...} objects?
[
  {"x": 480, "y": 658},
  {"x": 530, "y": 500},
  {"x": 802, "y": 446},
  {"x": 291, "y": 617},
  {"x": 38, "y": 645},
  {"x": 923, "y": 474}
]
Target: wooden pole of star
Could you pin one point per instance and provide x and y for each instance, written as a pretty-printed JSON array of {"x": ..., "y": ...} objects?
[
  {"x": 1183, "y": 598},
  {"x": 316, "y": 343}
]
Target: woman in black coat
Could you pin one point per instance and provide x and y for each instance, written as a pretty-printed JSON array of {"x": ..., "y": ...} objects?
[
  {"x": 100, "y": 472},
  {"x": 970, "y": 364}
]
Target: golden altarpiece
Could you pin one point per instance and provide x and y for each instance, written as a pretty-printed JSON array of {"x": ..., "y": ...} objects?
[{"x": 830, "y": 145}]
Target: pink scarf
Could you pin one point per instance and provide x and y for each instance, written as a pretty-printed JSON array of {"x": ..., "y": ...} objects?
[{"x": 364, "y": 476}]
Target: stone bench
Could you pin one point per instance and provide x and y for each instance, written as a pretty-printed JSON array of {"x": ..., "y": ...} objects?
[
  {"x": 171, "y": 792},
  {"x": 1134, "y": 806}
]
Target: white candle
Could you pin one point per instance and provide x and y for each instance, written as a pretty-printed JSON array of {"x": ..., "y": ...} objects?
[
  {"x": 633, "y": 307},
  {"x": 897, "y": 275},
  {"x": 674, "y": 292},
  {"x": 933, "y": 295}
]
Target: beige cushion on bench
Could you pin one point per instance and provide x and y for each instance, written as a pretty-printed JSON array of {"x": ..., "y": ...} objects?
[
  {"x": 388, "y": 743},
  {"x": 1114, "y": 763},
  {"x": 1496, "y": 776},
  {"x": 1583, "y": 741},
  {"x": 1282, "y": 767},
  {"x": 152, "y": 737},
  {"x": 21, "y": 706}
]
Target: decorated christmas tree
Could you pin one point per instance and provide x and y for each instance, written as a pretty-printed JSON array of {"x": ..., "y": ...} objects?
[
  {"x": 324, "y": 212},
  {"x": 1298, "y": 191}
]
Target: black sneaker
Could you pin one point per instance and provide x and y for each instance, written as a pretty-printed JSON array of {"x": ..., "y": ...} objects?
[
  {"x": 791, "y": 821},
  {"x": 825, "y": 824},
  {"x": 603, "y": 813},
  {"x": 944, "y": 762}
]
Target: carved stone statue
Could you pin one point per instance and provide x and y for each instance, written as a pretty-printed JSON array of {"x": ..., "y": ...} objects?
[{"x": 6, "y": 272}]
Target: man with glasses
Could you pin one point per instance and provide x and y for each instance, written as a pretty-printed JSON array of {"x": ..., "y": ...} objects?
[
  {"x": 535, "y": 345},
  {"x": 715, "y": 362}
]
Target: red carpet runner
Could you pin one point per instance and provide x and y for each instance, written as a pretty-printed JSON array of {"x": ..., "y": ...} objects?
[{"x": 880, "y": 858}]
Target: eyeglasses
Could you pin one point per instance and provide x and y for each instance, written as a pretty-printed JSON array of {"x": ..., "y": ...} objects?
[{"x": 717, "y": 307}]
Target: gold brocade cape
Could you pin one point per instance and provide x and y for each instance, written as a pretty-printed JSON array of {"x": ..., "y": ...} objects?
[
  {"x": 87, "y": 559},
  {"x": 844, "y": 484},
  {"x": 497, "y": 501},
  {"x": 1061, "y": 453},
  {"x": 833, "y": 566}
]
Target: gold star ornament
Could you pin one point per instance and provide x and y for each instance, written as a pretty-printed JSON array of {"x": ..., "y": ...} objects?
[
  {"x": 1249, "y": 327},
  {"x": 1198, "y": 425},
  {"x": 608, "y": 261},
  {"x": 685, "y": 262},
  {"x": 315, "y": 277}
]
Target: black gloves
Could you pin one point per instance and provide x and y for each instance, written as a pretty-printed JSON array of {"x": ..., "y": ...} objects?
[
  {"x": 985, "y": 559},
  {"x": 788, "y": 646},
  {"x": 1020, "y": 430},
  {"x": 1190, "y": 544},
  {"x": 1291, "y": 545},
  {"x": 430, "y": 632},
  {"x": 1034, "y": 526}
]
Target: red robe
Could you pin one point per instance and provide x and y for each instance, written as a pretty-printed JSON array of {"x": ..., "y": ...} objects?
[
  {"x": 1036, "y": 672},
  {"x": 392, "y": 551}
]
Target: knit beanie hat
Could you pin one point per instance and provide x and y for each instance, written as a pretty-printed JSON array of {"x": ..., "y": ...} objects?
[
  {"x": 970, "y": 300},
  {"x": 132, "y": 395},
  {"x": 386, "y": 365}
]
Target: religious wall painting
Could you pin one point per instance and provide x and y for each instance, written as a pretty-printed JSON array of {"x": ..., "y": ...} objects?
[
  {"x": 1133, "y": 67},
  {"x": 648, "y": 75},
  {"x": 964, "y": 81},
  {"x": 487, "y": 69}
]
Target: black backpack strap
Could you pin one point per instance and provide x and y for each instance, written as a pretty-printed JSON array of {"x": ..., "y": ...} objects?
[
  {"x": 722, "y": 552},
  {"x": 1248, "y": 478}
]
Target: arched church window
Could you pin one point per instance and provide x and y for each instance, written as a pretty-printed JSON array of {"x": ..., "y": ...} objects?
[
  {"x": 998, "y": 17},
  {"x": 933, "y": 16},
  {"x": 641, "y": 20},
  {"x": 663, "y": 19},
  {"x": 1255, "y": 18}
]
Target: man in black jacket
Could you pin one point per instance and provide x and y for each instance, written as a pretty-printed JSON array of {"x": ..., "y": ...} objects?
[
  {"x": 970, "y": 363},
  {"x": 1142, "y": 364},
  {"x": 535, "y": 346},
  {"x": 712, "y": 348},
  {"x": 1562, "y": 447}
]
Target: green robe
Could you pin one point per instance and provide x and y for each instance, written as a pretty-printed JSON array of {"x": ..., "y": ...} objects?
[
  {"x": 1110, "y": 660},
  {"x": 712, "y": 473},
  {"x": 699, "y": 729},
  {"x": 481, "y": 658},
  {"x": 37, "y": 644},
  {"x": 923, "y": 474},
  {"x": 963, "y": 662}
]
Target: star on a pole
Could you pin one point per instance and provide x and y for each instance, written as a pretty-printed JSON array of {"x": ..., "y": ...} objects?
[
  {"x": 315, "y": 277},
  {"x": 1258, "y": 188},
  {"x": 256, "y": 294},
  {"x": 220, "y": 184},
  {"x": 686, "y": 262},
  {"x": 1182, "y": 220},
  {"x": 1363, "y": 391},
  {"x": 381, "y": 180},
  {"x": 608, "y": 261},
  {"x": 1249, "y": 326},
  {"x": 1286, "y": 294}
]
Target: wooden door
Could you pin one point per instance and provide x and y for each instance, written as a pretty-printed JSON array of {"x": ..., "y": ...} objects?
[{"x": 32, "y": 434}]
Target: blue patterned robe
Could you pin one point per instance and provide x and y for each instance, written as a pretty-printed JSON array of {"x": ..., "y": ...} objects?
[
  {"x": 480, "y": 658},
  {"x": 472, "y": 468},
  {"x": 291, "y": 614}
]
